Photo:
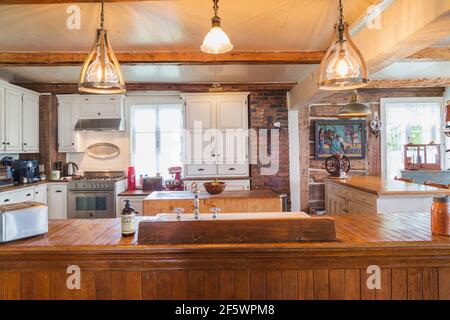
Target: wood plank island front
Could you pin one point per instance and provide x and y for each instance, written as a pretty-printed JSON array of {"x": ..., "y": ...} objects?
[
  {"x": 227, "y": 201},
  {"x": 414, "y": 264}
]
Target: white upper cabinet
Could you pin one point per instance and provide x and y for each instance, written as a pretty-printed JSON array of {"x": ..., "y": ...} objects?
[
  {"x": 200, "y": 111},
  {"x": 13, "y": 120},
  {"x": 232, "y": 112},
  {"x": 101, "y": 107},
  {"x": 30, "y": 120},
  {"x": 223, "y": 152},
  {"x": 68, "y": 139},
  {"x": 19, "y": 119}
]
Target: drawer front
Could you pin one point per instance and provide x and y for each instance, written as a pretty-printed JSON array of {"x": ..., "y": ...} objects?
[
  {"x": 333, "y": 188},
  {"x": 25, "y": 195},
  {"x": 200, "y": 170},
  {"x": 347, "y": 193},
  {"x": 8, "y": 198},
  {"x": 367, "y": 199},
  {"x": 233, "y": 169}
]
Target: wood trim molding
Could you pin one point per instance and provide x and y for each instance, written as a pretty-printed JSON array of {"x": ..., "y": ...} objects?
[
  {"x": 151, "y": 57},
  {"x": 72, "y": 88},
  {"x": 409, "y": 83}
]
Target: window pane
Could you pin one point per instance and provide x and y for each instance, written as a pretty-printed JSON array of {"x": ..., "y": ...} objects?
[
  {"x": 170, "y": 154},
  {"x": 170, "y": 119},
  {"x": 418, "y": 123},
  {"x": 144, "y": 120}
]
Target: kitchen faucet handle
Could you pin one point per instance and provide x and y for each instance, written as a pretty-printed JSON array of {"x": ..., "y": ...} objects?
[
  {"x": 178, "y": 212},
  {"x": 215, "y": 211}
]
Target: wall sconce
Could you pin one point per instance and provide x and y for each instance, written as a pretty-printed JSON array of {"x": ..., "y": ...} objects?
[{"x": 375, "y": 125}]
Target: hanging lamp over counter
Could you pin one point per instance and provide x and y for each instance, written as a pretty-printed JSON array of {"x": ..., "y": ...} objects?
[
  {"x": 355, "y": 108},
  {"x": 101, "y": 71},
  {"x": 216, "y": 41},
  {"x": 343, "y": 67}
]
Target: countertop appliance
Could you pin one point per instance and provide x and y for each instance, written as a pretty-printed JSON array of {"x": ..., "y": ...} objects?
[
  {"x": 71, "y": 169},
  {"x": 93, "y": 196},
  {"x": 6, "y": 177},
  {"x": 22, "y": 220},
  {"x": 26, "y": 171}
]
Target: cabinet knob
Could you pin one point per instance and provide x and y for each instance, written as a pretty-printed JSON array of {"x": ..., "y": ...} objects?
[
  {"x": 201, "y": 169},
  {"x": 99, "y": 114},
  {"x": 6, "y": 200},
  {"x": 58, "y": 191},
  {"x": 231, "y": 169},
  {"x": 7, "y": 143},
  {"x": 73, "y": 143},
  {"x": 25, "y": 144},
  {"x": 28, "y": 194}
]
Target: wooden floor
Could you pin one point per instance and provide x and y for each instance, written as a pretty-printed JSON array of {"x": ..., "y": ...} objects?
[{"x": 414, "y": 264}]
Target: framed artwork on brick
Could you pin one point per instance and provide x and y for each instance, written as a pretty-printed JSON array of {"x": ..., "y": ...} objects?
[{"x": 346, "y": 137}]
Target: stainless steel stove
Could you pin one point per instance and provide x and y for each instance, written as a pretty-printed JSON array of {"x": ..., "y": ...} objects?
[{"x": 93, "y": 196}]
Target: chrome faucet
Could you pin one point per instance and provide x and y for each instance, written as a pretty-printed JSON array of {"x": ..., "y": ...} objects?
[
  {"x": 196, "y": 205},
  {"x": 178, "y": 212},
  {"x": 215, "y": 211}
]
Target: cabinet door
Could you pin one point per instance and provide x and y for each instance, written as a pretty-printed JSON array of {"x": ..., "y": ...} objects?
[
  {"x": 40, "y": 194},
  {"x": 100, "y": 107},
  {"x": 232, "y": 146},
  {"x": 355, "y": 207},
  {"x": 2, "y": 120},
  {"x": 200, "y": 113},
  {"x": 232, "y": 112},
  {"x": 200, "y": 147},
  {"x": 67, "y": 117},
  {"x": 13, "y": 120},
  {"x": 30, "y": 123},
  {"x": 57, "y": 201}
]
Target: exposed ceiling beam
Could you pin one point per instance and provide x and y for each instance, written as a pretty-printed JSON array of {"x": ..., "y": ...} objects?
[
  {"x": 431, "y": 54},
  {"x": 65, "y": 1},
  {"x": 406, "y": 28},
  {"x": 71, "y": 88},
  {"x": 150, "y": 57},
  {"x": 409, "y": 83}
]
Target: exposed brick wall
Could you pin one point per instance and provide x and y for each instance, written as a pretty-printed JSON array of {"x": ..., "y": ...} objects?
[
  {"x": 266, "y": 108},
  {"x": 48, "y": 134},
  {"x": 313, "y": 171}
]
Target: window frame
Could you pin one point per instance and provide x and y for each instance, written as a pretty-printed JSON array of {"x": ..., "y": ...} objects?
[
  {"x": 383, "y": 105},
  {"x": 157, "y": 102}
]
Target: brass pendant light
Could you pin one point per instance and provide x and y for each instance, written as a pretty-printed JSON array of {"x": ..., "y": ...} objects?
[
  {"x": 355, "y": 108},
  {"x": 343, "y": 67},
  {"x": 216, "y": 41},
  {"x": 101, "y": 71}
]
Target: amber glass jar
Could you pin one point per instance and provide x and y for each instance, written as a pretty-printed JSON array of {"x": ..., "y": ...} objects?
[{"x": 440, "y": 216}]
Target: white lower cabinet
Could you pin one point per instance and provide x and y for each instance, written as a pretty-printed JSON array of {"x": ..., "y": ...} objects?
[
  {"x": 40, "y": 194},
  {"x": 16, "y": 196},
  {"x": 57, "y": 201}
]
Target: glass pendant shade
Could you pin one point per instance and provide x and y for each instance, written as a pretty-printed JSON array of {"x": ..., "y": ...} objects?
[
  {"x": 216, "y": 41},
  {"x": 343, "y": 67},
  {"x": 101, "y": 71},
  {"x": 355, "y": 109}
]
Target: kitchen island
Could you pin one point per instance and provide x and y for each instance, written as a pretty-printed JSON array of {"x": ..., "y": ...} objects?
[
  {"x": 367, "y": 194},
  {"x": 227, "y": 201},
  {"x": 414, "y": 264}
]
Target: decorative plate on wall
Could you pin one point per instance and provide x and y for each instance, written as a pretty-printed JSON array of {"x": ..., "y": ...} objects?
[{"x": 103, "y": 150}]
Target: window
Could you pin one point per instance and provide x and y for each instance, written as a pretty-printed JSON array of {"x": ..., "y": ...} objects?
[
  {"x": 418, "y": 121},
  {"x": 156, "y": 138}
]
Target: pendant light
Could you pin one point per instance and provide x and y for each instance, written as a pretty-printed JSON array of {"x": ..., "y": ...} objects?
[
  {"x": 216, "y": 41},
  {"x": 101, "y": 71},
  {"x": 343, "y": 67},
  {"x": 355, "y": 108}
]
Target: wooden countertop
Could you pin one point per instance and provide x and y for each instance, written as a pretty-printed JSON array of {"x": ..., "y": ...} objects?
[
  {"x": 384, "y": 187},
  {"x": 356, "y": 233},
  {"x": 22, "y": 186},
  {"x": 187, "y": 195}
]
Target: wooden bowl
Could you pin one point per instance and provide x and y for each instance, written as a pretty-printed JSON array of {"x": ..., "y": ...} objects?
[{"x": 214, "y": 187}]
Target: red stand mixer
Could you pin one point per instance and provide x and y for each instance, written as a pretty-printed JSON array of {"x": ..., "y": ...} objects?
[{"x": 176, "y": 182}]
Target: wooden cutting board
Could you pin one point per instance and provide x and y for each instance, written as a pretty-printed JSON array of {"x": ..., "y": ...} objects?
[{"x": 236, "y": 228}]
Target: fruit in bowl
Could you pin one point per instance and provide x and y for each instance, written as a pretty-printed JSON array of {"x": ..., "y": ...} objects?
[{"x": 215, "y": 187}]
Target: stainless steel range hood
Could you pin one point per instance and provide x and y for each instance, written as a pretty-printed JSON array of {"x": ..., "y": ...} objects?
[{"x": 100, "y": 125}]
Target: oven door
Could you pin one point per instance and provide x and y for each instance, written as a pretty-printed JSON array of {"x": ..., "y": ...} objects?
[{"x": 91, "y": 205}]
